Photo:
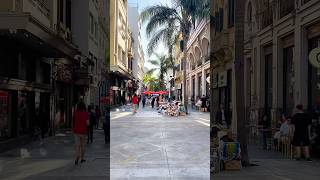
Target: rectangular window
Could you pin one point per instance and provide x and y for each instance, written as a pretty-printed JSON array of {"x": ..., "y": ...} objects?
[
  {"x": 221, "y": 19},
  {"x": 95, "y": 29},
  {"x": 91, "y": 26},
  {"x": 231, "y": 13},
  {"x": 216, "y": 20},
  {"x": 286, "y": 7},
  {"x": 288, "y": 101}
]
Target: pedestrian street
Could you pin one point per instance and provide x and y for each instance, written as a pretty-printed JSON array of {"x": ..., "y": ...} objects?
[{"x": 149, "y": 145}]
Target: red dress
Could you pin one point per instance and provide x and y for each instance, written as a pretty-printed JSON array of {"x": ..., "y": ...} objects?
[
  {"x": 135, "y": 100},
  {"x": 80, "y": 122}
]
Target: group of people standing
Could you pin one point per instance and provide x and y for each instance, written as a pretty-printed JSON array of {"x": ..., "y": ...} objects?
[
  {"x": 202, "y": 103},
  {"x": 296, "y": 130},
  {"x": 85, "y": 119}
]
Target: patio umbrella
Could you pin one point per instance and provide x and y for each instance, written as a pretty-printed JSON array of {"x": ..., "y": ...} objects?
[{"x": 163, "y": 92}]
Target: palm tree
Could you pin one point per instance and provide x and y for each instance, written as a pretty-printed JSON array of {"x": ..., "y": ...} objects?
[
  {"x": 150, "y": 80},
  {"x": 165, "y": 23},
  {"x": 163, "y": 64}
]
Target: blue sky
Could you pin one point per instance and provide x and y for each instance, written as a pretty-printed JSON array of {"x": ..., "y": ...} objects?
[{"x": 161, "y": 50}]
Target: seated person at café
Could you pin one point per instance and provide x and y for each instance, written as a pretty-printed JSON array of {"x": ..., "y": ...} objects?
[{"x": 283, "y": 132}]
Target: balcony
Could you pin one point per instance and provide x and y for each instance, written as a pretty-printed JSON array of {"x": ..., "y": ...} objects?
[{"x": 220, "y": 41}]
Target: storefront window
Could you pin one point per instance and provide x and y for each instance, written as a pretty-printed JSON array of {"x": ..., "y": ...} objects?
[
  {"x": 22, "y": 112},
  {"x": 268, "y": 86},
  {"x": 4, "y": 115},
  {"x": 288, "y": 83}
]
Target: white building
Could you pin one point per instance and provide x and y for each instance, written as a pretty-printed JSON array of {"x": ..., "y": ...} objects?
[{"x": 138, "y": 59}]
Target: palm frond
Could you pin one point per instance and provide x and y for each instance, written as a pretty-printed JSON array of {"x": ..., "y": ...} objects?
[{"x": 154, "y": 62}]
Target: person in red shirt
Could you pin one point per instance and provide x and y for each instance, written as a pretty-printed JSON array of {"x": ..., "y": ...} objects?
[
  {"x": 81, "y": 121},
  {"x": 135, "y": 101}
]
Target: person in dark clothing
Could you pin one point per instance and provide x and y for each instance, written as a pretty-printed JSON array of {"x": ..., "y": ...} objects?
[
  {"x": 204, "y": 103},
  {"x": 139, "y": 100},
  {"x": 44, "y": 123},
  {"x": 158, "y": 99},
  {"x": 106, "y": 125},
  {"x": 143, "y": 101},
  {"x": 92, "y": 121},
  {"x": 152, "y": 102},
  {"x": 123, "y": 99},
  {"x": 301, "y": 137},
  {"x": 98, "y": 116},
  {"x": 192, "y": 102}
]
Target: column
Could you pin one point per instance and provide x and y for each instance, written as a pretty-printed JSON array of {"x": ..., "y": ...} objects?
[
  {"x": 196, "y": 85},
  {"x": 203, "y": 81}
]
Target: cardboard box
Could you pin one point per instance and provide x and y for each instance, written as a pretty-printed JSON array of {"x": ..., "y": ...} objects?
[{"x": 232, "y": 165}]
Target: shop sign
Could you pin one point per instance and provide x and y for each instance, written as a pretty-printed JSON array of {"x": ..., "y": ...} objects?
[
  {"x": 314, "y": 57},
  {"x": 115, "y": 88},
  {"x": 222, "y": 81}
]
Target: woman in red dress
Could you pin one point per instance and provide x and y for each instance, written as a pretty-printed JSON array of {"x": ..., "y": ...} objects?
[
  {"x": 81, "y": 121},
  {"x": 135, "y": 101}
]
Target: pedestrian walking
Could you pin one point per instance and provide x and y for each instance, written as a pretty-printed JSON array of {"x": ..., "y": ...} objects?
[
  {"x": 301, "y": 137},
  {"x": 81, "y": 120},
  {"x": 92, "y": 121},
  {"x": 143, "y": 101},
  {"x": 192, "y": 102},
  {"x": 139, "y": 100},
  {"x": 152, "y": 102},
  {"x": 204, "y": 103},
  {"x": 44, "y": 124},
  {"x": 98, "y": 115},
  {"x": 135, "y": 102},
  {"x": 158, "y": 99},
  {"x": 106, "y": 125},
  {"x": 123, "y": 99}
]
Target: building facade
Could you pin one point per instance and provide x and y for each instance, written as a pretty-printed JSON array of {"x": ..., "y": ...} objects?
[
  {"x": 120, "y": 61},
  {"x": 138, "y": 58},
  {"x": 36, "y": 67},
  {"x": 279, "y": 36},
  {"x": 198, "y": 63},
  {"x": 51, "y": 53},
  {"x": 222, "y": 65}
]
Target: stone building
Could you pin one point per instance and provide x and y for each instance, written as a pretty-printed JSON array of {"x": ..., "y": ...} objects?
[
  {"x": 198, "y": 64},
  {"x": 36, "y": 67},
  {"x": 279, "y": 36}
]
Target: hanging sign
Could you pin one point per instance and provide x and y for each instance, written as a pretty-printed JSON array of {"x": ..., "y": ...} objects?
[{"x": 314, "y": 57}]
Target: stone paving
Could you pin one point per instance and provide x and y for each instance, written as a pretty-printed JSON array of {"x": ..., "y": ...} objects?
[
  {"x": 55, "y": 160},
  {"x": 148, "y": 145}
]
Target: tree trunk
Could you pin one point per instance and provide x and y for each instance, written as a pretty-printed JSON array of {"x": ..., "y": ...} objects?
[
  {"x": 239, "y": 79},
  {"x": 184, "y": 59}
]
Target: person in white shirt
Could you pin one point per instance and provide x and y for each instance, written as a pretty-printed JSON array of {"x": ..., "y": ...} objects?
[{"x": 283, "y": 132}]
